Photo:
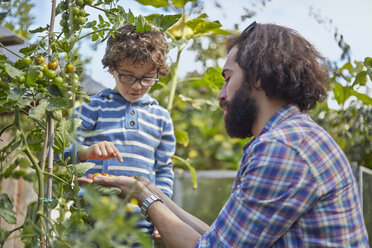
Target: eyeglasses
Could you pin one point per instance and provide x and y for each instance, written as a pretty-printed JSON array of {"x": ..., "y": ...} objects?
[
  {"x": 250, "y": 27},
  {"x": 129, "y": 79}
]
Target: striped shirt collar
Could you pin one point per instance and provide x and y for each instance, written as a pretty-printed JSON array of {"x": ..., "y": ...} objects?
[{"x": 110, "y": 93}]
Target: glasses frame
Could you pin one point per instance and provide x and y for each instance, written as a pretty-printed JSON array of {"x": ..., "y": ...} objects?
[
  {"x": 136, "y": 79},
  {"x": 250, "y": 27}
]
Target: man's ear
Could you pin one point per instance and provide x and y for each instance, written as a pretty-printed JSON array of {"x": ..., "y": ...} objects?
[{"x": 257, "y": 85}]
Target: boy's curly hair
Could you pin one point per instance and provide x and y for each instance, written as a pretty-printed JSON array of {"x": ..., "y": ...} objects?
[
  {"x": 149, "y": 46},
  {"x": 284, "y": 64}
]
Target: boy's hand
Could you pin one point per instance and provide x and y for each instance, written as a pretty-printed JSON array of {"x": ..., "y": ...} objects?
[{"x": 99, "y": 151}]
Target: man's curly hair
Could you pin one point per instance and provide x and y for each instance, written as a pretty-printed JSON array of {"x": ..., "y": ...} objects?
[
  {"x": 142, "y": 47},
  {"x": 283, "y": 63}
]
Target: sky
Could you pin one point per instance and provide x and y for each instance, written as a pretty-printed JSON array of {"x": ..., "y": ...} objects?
[{"x": 353, "y": 19}]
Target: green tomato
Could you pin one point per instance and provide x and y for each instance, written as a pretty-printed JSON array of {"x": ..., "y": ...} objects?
[
  {"x": 88, "y": 2},
  {"x": 58, "y": 80},
  {"x": 25, "y": 61},
  {"x": 50, "y": 74},
  {"x": 79, "y": 3},
  {"x": 41, "y": 75},
  {"x": 81, "y": 20},
  {"x": 82, "y": 12},
  {"x": 75, "y": 10},
  {"x": 74, "y": 76},
  {"x": 63, "y": 23},
  {"x": 64, "y": 5},
  {"x": 21, "y": 79}
]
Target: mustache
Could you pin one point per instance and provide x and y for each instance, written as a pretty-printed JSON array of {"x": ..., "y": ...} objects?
[{"x": 224, "y": 103}]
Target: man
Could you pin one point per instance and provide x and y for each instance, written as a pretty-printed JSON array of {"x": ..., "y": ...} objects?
[{"x": 294, "y": 186}]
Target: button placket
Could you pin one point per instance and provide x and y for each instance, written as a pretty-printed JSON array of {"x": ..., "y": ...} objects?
[{"x": 131, "y": 117}]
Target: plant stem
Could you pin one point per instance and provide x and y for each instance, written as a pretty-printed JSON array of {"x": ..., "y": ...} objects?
[
  {"x": 1, "y": 45},
  {"x": 56, "y": 177},
  {"x": 175, "y": 71},
  {"x": 174, "y": 81}
]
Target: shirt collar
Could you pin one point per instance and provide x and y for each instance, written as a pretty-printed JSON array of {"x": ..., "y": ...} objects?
[
  {"x": 281, "y": 115},
  {"x": 112, "y": 94}
]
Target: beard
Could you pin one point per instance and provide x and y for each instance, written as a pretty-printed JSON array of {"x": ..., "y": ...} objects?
[{"x": 241, "y": 113}]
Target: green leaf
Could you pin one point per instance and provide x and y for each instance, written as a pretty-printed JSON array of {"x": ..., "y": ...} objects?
[
  {"x": 29, "y": 49},
  {"x": 6, "y": 209},
  {"x": 360, "y": 79},
  {"x": 368, "y": 62},
  {"x": 72, "y": 124},
  {"x": 362, "y": 97},
  {"x": 202, "y": 26},
  {"x": 59, "y": 103},
  {"x": 37, "y": 113},
  {"x": 182, "y": 137},
  {"x": 212, "y": 78},
  {"x": 78, "y": 170},
  {"x": 155, "y": 3},
  {"x": 142, "y": 25},
  {"x": 341, "y": 93},
  {"x": 181, "y": 3},
  {"x": 106, "y": 191},
  {"x": 64, "y": 45},
  {"x": 163, "y": 21},
  {"x": 348, "y": 66},
  {"x": 12, "y": 71},
  {"x": 95, "y": 37},
  {"x": 62, "y": 140},
  {"x": 33, "y": 73},
  {"x": 57, "y": 115},
  {"x": 3, "y": 59},
  {"x": 39, "y": 29}
]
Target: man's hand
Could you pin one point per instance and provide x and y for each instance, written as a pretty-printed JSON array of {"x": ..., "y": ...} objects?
[{"x": 99, "y": 151}]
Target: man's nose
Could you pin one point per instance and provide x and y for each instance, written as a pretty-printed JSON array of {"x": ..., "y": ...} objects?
[{"x": 222, "y": 94}]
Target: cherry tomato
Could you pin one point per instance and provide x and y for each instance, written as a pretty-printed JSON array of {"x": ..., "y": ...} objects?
[
  {"x": 21, "y": 79},
  {"x": 58, "y": 80},
  {"x": 63, "y": 23},
  {"x": 39, "y": 60},
  {"x": 112, "y": 175},
  {"x": 41, "y": 75},
  {"x": 50, "y": 74},
  {"x": 25, "y": 61},
  {"x": 70, "y": 68},
  {"x": 96, "y": 174},
  {"x": 81, "y": 20},
  {"x": 44, "y": 67},
  {"x": 75, "y": 10},
  {"x": 53, "y": 65},
  {"x": 105, "y": 174},
  {"x": 79, "y": 3}
]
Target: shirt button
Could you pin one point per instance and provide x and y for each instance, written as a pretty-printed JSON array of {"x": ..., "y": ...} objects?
[
  {"x": 132, "y": 112},
  {"x": 132, "y": 123},
  {"x": 131, "y": 104}
]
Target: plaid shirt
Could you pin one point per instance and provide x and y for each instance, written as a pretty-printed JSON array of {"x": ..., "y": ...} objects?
[{"x": 294, "y": 188}]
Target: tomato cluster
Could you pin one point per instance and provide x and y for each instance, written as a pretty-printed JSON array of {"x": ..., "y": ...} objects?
[
  {"x": 103, "y": 174},
  {"x": 73, "y": 15},
  {"x": 38, "y": 72}
]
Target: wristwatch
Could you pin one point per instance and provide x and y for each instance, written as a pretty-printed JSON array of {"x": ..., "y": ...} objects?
[{"x": 145, "y": 205}]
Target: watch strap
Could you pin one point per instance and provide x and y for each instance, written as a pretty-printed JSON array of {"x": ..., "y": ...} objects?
[{"x": 146, "y": 203}]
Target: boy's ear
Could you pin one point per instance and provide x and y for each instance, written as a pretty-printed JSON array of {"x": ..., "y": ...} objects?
[{"x": 111, "y": 70}]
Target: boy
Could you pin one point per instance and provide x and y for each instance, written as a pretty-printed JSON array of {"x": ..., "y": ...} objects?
[{"x": 133, "y": 135}]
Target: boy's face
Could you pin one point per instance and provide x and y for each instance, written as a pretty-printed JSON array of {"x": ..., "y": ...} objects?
[{"x": 127, "y": 69}]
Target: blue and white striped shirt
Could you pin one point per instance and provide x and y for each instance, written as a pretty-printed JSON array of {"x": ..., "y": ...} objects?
[{"x": 142, "y": 131}]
